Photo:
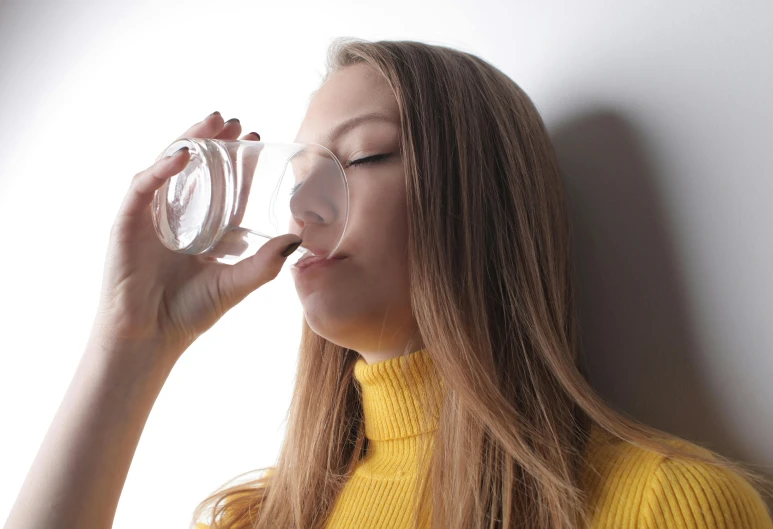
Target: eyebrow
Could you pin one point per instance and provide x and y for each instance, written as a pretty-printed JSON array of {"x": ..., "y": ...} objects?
[{"x": 349, "y": 124}]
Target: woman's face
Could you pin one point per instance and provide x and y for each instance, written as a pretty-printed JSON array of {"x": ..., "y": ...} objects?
[{"x": 362, "y": 302}]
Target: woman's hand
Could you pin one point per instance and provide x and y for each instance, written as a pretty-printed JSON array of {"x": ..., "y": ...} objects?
[{"x": 153, "y": 295}]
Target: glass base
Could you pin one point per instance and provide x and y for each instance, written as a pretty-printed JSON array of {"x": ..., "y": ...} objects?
[{"x": 191, "y": 209}]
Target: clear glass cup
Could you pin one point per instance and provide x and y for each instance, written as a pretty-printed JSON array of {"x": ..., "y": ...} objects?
[{"x": 233, "y": 196}]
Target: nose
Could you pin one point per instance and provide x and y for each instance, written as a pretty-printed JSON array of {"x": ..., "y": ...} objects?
[{"x": 319, "y": 204}]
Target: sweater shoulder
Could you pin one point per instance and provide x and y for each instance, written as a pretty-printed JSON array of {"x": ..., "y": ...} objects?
[{"x": 629, "y": 486}]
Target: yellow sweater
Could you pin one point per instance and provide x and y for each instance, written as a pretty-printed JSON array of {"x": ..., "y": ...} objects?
[{"x": 628, "y": 487}]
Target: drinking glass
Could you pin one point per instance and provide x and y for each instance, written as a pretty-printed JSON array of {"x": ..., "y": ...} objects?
[{"x": 233, "y": 196}]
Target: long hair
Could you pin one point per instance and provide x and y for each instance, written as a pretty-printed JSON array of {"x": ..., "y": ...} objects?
[{"x": 493, "y": 292}]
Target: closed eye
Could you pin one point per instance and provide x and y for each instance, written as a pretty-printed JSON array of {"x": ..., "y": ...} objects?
[
  {"x": 352, "y": 163},
  {"x": 369, "y": 159}
]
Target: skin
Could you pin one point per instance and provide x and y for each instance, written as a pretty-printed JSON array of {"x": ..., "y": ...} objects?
[
  {"x": 362, "y": 302},
  {"x": 154, "y": 303}
]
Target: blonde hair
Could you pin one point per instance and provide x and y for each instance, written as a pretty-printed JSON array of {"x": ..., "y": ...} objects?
[{"x": 493, "y": 293}]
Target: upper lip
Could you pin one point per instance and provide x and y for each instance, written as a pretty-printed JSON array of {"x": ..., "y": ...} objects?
[{"x": 314, "y": 255}]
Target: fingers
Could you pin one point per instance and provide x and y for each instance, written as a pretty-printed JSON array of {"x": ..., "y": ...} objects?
[
  {"x": 206, "y": 128},
  {"x": 213, "y": 126},
  {"x": 236, "y": 282},
  {"x": 145, "y": 183},
  {"x": 231, "y": 130}
]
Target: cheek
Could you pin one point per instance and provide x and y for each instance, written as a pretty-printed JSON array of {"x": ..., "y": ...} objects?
[
  {"x": 377, "y": 219},
  {"x": 377, "y": 280}
]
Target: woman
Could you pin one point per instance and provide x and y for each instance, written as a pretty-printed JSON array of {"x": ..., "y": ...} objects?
[{"x": 440, "y": 380}]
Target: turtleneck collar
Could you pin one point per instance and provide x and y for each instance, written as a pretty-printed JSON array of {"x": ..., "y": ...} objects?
[{"x": 398, "y": 395}]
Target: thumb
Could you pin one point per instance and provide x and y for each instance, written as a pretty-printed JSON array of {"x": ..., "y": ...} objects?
[{"x": 246, "y": 276}]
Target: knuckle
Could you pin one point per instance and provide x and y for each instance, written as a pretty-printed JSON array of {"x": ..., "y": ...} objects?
[
  {"x": 142, "y": 175},
  {"x": 223, "y": 291}
]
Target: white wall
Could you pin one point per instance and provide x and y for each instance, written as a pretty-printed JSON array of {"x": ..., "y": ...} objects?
[{"x": 662, "y": 115}]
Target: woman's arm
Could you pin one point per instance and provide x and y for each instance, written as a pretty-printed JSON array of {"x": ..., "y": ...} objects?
[
  {"x": 77, "y": 476},
  {"x": 154, "y": 303}
]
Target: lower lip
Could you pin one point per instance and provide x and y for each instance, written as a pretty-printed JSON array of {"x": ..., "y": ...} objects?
[{"x": 319, "y": 265}]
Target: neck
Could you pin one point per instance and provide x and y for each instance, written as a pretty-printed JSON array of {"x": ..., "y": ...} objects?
[
  {"x": 401, "y": 396},
  {"x": 401, "y": 400}
]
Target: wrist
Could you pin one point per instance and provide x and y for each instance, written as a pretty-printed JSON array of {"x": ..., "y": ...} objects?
[{"x": 143, "y": 361}]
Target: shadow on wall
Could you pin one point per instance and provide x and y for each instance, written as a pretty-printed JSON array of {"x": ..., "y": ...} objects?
[{"x": 642, "y": 352}]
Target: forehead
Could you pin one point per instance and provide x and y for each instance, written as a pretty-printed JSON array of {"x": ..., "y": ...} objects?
[{"x": 348, "y": 93}]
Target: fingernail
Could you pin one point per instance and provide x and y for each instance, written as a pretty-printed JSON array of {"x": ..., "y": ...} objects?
[
  {"x": 291, "y": 248},
  {"x": 178, "y": 151},
  {"x": 232, "y": 119},
  {"x": 256, "y": 134},
  {"x": 213, "y": 113}
]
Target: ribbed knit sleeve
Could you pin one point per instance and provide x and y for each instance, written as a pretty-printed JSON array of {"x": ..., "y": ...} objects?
[{"x": 691, "y": 495}]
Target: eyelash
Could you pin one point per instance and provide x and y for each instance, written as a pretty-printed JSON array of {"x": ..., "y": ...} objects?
[
  {"x": 369, "y": 159},
  {"x": 362, "y": 161}
]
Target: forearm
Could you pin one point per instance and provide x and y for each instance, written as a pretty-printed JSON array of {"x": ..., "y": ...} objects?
[{"x": 79, "y": 471}]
